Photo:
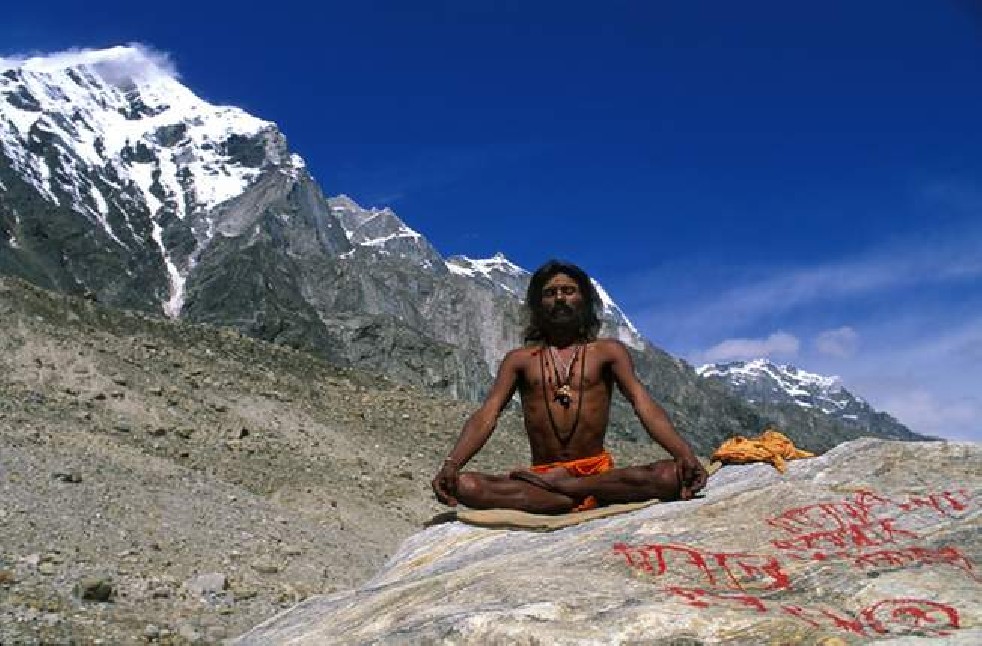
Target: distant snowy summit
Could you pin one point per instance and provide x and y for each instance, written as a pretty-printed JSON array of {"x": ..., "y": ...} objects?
[
  {"x": 768, "y": 385},
  {"x": 760, "y": 381}
]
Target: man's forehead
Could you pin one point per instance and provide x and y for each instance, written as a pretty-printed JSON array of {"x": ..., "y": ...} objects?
[{"x": 560, "y": 279}]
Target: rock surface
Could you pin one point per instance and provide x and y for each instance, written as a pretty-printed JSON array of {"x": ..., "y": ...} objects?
[{"x": 873, "y": 541}]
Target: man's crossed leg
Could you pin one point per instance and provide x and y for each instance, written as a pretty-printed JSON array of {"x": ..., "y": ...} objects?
[{"x": 556, "y": 491}]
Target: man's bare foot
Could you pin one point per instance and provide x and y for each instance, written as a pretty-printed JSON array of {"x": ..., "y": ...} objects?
[{"x": 553, "y": 480}]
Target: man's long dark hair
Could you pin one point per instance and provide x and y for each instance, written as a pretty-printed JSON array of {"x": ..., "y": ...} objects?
[{"x": 538, "y": 317}]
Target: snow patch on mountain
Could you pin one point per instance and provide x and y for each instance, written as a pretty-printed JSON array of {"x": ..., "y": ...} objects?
[
  {"x": 383, "y": 231},
  {"x": 498, "y": 271},
  {"x": 770, "y": 387},
  {"x": 612, "y": 310}
]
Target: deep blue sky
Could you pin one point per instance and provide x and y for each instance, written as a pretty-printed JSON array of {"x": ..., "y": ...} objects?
[{"x": 750, "y": 172}]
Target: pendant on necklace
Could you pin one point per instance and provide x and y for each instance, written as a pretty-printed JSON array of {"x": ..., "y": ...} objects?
[{"x": 564, "y": 396}]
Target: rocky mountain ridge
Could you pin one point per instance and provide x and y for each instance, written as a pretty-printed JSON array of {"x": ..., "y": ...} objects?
[{"x": 772, "y": 387}]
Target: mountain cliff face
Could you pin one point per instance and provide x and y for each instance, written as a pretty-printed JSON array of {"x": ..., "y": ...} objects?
[
  {"x": 119, "y": 183},
  {"x": 787, "y": 394}
]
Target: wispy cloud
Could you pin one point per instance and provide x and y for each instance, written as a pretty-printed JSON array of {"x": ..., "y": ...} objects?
[
  {"x": 777, "y": 345},
  {"x": 840, "y": 342},
  {"x": 116, "y": 64},
  {"x": 845, "y": 280},
  {"x": 724, "y": 304}
]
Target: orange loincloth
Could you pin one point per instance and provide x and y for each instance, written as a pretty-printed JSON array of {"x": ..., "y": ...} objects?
[
  {"x": 769, "y": 446},
  {"x": 590, "y": 466}
]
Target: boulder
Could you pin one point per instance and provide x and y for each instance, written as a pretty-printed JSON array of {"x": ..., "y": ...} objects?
[
  {"x": 205, "y": 584},
  {"x": 872, "y": 541}
]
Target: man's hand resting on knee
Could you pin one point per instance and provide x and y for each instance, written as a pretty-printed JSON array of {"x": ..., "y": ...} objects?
[{"x": 445, "y": 484}]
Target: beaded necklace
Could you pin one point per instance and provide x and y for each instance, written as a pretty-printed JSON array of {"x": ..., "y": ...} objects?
[{"x": 564, "y": 393}]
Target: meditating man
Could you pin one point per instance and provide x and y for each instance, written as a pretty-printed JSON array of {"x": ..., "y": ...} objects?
[{"x": 565, "y": 376}]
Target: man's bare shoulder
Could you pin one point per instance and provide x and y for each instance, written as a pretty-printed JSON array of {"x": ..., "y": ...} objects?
[
  {"x": 519, "y": 357},
  {"x": 608, "y": 347}
]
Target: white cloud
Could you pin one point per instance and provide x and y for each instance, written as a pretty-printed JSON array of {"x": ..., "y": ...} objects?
[
  {"x": 840, "y": 342},
  {"x": 116, "y": 64},
  {"x": 777, "y": 344}
]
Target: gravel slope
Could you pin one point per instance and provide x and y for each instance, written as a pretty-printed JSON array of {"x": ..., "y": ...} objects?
[{"x": 170, "y": 483}]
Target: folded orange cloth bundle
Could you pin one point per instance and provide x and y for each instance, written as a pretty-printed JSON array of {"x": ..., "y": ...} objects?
[{"x": 769, "y": 446}]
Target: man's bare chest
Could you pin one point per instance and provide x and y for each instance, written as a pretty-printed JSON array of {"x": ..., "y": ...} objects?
[{"x": 543, "y": 369}]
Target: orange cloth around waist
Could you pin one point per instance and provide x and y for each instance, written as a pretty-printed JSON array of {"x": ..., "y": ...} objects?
[{"x": 591, "y": 466}]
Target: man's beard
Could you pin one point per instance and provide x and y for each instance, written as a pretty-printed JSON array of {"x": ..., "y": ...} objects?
[{"x": 564, "y": 318}]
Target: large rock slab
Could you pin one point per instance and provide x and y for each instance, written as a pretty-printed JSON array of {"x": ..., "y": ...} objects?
[{"x": 874, "y": 541}]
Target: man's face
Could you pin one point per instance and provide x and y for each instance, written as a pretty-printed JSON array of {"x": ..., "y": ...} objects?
[{"x": 562, "y": 300}]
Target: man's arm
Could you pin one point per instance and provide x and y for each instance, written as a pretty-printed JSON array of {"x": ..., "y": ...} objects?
[
  {"x": 477, "y": 429},
  {"x": 692, "y": 476}
]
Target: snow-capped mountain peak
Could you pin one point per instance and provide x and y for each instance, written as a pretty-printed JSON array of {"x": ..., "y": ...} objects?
[
  {"x": 612, "y": 310},
  {"x": 789, "y": 375},
  {"x": 763, "y": 382},
  {"x": 778, "y": 390},
  {"x": 114, "y": 136},
  {"x": 103, "y": 103}
]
